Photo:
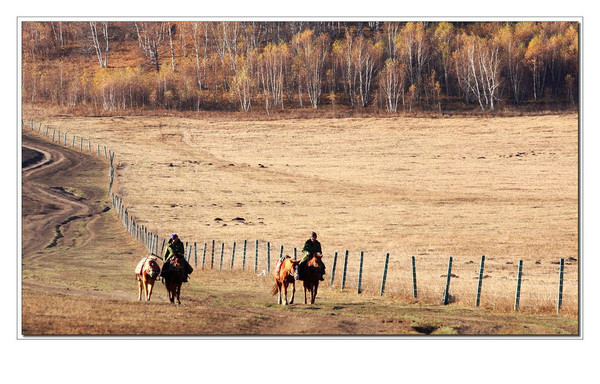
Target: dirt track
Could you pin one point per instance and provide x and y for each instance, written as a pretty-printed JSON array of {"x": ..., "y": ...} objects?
[
  {"x": 78, "y": 266},
  {"x": 48, "y": 207}
]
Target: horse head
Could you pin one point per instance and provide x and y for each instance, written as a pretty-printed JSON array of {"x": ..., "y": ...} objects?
[
  {"x": 293, "y": 268},
  {"x": 176, "y": 262},
  {"x": 152, "y": 269},
  {"x": 315, "y": 260}
]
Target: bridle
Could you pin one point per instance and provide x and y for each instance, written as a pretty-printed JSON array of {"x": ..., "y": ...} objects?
[{"x": 149, "y": 267}]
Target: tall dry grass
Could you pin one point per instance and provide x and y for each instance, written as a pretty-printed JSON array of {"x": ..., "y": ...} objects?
[{"x": 504, "y": 187}]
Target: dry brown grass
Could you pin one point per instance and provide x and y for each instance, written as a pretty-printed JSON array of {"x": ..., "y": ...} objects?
[{"x": 504, "y": 187}]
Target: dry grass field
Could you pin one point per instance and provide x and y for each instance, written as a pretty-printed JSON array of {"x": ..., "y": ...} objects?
[{"x": 503, "y": 187}]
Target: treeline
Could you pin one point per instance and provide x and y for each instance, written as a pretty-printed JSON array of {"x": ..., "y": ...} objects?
[{"x": 391, "y": 66}]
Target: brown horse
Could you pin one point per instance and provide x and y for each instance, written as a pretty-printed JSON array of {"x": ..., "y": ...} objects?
[
  {"x": 286, "y": 276},
  {"x": 311, "y": 276},
  {"x": 173, "y": 277},
  {"x": 146, "y": 273}
]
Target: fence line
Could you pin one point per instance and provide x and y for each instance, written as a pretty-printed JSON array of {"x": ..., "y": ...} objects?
[{"x": 525, "y": 278}]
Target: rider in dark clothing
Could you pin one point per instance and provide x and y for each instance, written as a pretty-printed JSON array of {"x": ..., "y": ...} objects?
[
  {"x": 311, "y": 246},
  {"x": 176, "y": 248}
]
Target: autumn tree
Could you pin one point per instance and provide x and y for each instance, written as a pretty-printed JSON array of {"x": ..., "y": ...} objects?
[
  {"x": 367, "y": 57},
  {"x": 343, "y": 54},
  {"x": 392, "y": 80},
  {"x": 100, "y": 42},
  {"x": 243, "y": 84},
  {"x": 272, "y": 64},
  {"x": 311, "y": 53},
  {"x": 151, "y": 36},
  {"x": 412, "y": 48},
  {"x": 444, "y": 35},
  {"x": 477, "y": 63}
]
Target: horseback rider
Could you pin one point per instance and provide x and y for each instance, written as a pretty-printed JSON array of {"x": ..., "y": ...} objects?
[
  {"x": 311, "y": 246},
  {"x": 175, "y": 248}
]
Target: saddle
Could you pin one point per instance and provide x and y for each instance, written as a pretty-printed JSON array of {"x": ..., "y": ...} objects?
[
  {"x": 140, "y": 265},
  {"x": 185, "y": 265}
]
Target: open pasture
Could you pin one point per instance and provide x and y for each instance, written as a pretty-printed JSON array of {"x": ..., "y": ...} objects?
[{"x": 504, "y": 187}]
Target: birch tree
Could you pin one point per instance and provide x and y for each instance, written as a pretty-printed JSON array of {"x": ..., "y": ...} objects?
[
  {"x": 444, "y": 35},
  {"x": 100, "y": 41},
  {"x": 392, "y": 80},
  {"x": 242, "y": 83},
  {"x": 271, "y": 68},
  {"x": 151, "y": 36},
  {"x": 311, "y": 53},
  {"x": 413, "y": 49},
  {"x": 343, "y": 51},
  {"x": 367, "y": 58},
  {"x": 514, "y": 54}
]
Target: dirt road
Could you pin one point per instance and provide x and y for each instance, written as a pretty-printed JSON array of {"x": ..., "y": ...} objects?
[{"x": 77, "y": 278}]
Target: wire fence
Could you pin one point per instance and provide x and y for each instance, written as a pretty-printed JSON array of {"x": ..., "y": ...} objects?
[{"x": 487, "y": 282}]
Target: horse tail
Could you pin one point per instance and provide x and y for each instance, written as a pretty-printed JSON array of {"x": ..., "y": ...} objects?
[{"x": 274, "y": 290}]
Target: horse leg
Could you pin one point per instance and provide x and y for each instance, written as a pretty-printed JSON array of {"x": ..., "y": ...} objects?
[
  {"x": 315, "y": 288},
  {"x": 304, "y": 293},
  {"x": 285, "y": 285},
  {"x": 169, "y": 286},
  {"x": 145, "y": 285},
  {"x": 278, "y": 292},
  {"x": 293, "y": 292},
  {"x": 149, "y": 289},
  {"x": 178, "y": 291}
]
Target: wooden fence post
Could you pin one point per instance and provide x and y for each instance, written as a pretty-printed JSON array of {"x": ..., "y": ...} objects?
[
  {"x": 332, "y": 267},
  {"x": 244, "y": 256},
  {"x": 295, "y": 254},
  {"x": 385, "y": 268},
  {"x": 195, "y": 255},
  {"x": 232, "y": 255},
  {"x": 204, "y": 255},
  {"x": 479, "y": 282},
  {"x": 344, "y": 270},
  {"x": 560, "y": 285},
  {"x": 221, "y": 260},
  {"x": 360, "y": 266},
  {"x": 414, "y": 277},
  {"x": 268, "y": 257},
  {"x": 53, "y": 134},
  {"x": 281, "y": 252},
  {"x": 256, "y": 256},
  {"x": 212, "y": 255},
  {"x": 518, "y": 292},
  {"x": 447, "y": 290},
  {"x": 81, "y": 145},
  {"x": 73, "y": 143}
]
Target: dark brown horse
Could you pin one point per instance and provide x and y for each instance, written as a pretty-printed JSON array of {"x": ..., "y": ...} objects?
[
  {"x": 286, "y": 276},
  {"x": 146, "y": 273},
  {"x": 311, "y": 276},
  {"x": 173, "y": 277}
]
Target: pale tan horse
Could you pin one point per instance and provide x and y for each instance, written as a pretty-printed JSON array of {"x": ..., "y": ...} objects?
[
  {"x": 286, "y": 275},
  {"x": 146, "y": 273}
]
